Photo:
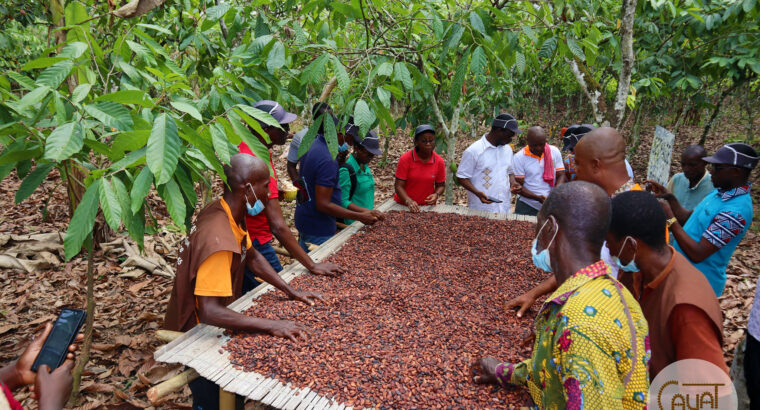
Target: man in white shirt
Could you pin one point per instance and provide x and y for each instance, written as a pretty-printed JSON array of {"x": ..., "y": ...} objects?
[
  {"x": 486, "y": 167},
  {"x": 535, "y": 180}
]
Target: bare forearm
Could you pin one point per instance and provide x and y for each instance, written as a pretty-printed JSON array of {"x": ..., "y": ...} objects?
[
  {"x": 261, "y": 267},
  {"x": 9, "y": 376},
  {"x": 225, "y": 318},
  {"x": 528, "y": 194},
  {"x": 440, "y": 187},
  {"x": 562, "y": 178},
  {"x": 689, "y": 246},
  {"x": 292, "y": 171},
  {"x": 290, "y": 243},
  {"x": 467, "y": 184},
  {"x": 337, "y": 211},
  {"x": 400, "y": 187},
  {"x": 547, "y": 286}
]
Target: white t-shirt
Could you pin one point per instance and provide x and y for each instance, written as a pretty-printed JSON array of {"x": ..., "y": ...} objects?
[
  {"x": 527, "y": 165},
  {"x": 487, "y": 167}
]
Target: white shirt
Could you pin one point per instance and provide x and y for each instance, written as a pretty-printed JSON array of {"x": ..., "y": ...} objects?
[
  {"x": 531, "y": 168},
  {"x": 487, "y": 167}
]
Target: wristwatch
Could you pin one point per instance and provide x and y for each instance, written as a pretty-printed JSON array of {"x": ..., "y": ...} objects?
[{"x": 671, "y": 221}]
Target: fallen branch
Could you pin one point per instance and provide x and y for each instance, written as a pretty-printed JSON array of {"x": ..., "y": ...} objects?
[{"x": 170, "y": 386}]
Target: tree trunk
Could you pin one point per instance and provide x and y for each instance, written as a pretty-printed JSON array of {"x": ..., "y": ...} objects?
[
  {"x": 635, "y": 140},
  {"x": 84, "y": 357},
  {"x": 716, "y": 111},
  {"x": 590, "y": 88},
  {"x": 627, "y": 58},
  {"x": 451, "y": 141}
]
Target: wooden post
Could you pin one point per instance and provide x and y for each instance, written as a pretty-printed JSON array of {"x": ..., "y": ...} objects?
[
  {"x": 170, "y": 386},
  {"x": 226, "y": 400}
]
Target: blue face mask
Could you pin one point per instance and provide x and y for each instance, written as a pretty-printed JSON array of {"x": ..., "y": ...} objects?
[
  {"x": 257, "y": 207},
  {"x": 343, "y": 147},
  {"x": 631, "y": 266},
  {"x": 542, "y": 259}
]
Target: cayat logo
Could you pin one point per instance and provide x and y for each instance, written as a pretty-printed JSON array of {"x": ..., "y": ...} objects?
[{"x": 692, "y": 384}]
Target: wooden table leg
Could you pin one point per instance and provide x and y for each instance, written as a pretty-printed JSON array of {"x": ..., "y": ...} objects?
[{"x": 226, "y": 400}]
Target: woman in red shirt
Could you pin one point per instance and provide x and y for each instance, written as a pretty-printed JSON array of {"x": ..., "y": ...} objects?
[{"x": 421, "y": 173}]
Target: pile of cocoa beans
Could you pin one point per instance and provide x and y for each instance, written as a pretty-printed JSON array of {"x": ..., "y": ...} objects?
[{"x": 423, "y": 299}]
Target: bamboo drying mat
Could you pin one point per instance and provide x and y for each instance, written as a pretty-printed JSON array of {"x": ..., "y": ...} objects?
[{"x": 199, "y": 347}]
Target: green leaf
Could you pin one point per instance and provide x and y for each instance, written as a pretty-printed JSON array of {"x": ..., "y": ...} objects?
[
  {"x": 331, "y": 137},
  {"x": 137, "y": 97},
  {"x": 257, "y": 114},
  {"x": 33, "y": 180},
  {"x": 32, "y": 97},
  {"x": 110, "y": 205},
  {"x": 175, "y": 203},
  {"x": 42, "y": 62},
  {"x": 575, "y": 48},
  {"x": 16, "y": 156},
  {"x": 140, "y": 189},
  {"x": 73, "y": 50},
  {"x": 82, "y": 222},
  {"x": 256, "y": 146},
  {"x": 403, "y": 76},
  {"x": 276, "y": 57},
  {"x": 143, "y": 52},
  {"x": 54, "y": 75},
  {"x": 477, "y": 23},
  {"x": 80, "y": 93},
  {"x": 163, "y": 148},
  {"x": 520, "y": 62},
  {"x": 308, "y": 139},
  {"x": 363, "y": 117},
  {"x": 221, "y": 145},
  {"x": 479, "y": 61},
  {"x": 453, "y": 41},
  {"x": 344, "y": 82},
  {"x": 547, "y": 48},
  {"x": 217, "y": 12},
  {"x": 123, "y": 197},
  {"x": 384, "y": 96},
  {"x": 187, "y": 108},
  {"x": 385, "y": 69},
  {"x": 155, "y": 27},
  {"x": 64, "y": 141},
  {"x": 112, "y": 114},
  {"x": 314, "y": 72},
  {"x": 458, "y": 81}
]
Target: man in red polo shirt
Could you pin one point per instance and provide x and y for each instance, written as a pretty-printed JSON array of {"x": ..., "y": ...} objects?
[{"x": 270, "y": 223}]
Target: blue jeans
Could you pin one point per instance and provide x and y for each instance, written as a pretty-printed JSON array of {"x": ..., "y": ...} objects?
[
  {"x": 304, "y": 239},
  {"x": 521, "y": 208},
  {"x": 267, "y": 251}
]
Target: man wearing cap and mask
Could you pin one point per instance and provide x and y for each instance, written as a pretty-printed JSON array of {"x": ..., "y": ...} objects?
[
  {"x": 265, "y": 223},
  {"x": 709, "y": 234},
  {"x": 591, "y": 349},
  {"x": 486, "y": 167},
  {"x": 357, "y": 184},
  {"x": 211, "y": 262},
  {"x": 316, "y": 217}
]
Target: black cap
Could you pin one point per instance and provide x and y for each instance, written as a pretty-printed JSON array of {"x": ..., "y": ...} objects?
[
  {"x": 422, "y": 129},
  {"x": 734, "y": 154},
  {"x": 351, "y": 128},
  {"x": 574, "y": 133},
  {"x": 506, "y": 121},
  {"x": 320, "y": 107},
  {"x": 371, "y": 143}
]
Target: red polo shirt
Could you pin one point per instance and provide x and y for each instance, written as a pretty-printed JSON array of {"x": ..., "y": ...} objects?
[
  {"x": 258, "y": 226},
  {"x": 420, "y": 177}
]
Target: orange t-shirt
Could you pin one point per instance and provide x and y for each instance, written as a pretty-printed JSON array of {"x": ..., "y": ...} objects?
[{"x": 213, "y": 277}]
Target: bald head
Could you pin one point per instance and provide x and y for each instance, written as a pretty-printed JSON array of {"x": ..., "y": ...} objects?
[
  {"x": 244, "y": 169},
  {"x": 582, "y": 211},
  {"x": 600, "y": 159},
  {"x": 536, "y": 139}
]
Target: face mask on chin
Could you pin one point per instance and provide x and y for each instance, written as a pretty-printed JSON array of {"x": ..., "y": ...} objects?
[
  {"x": 542, "y": 259},
  {"x": 257, "y": 207},
  {"x": 630, "y": 266}
]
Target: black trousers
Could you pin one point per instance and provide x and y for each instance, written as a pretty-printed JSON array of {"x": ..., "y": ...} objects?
[
  {"x": 206, "y": 395},
  {"x": 752, "y": 371}
]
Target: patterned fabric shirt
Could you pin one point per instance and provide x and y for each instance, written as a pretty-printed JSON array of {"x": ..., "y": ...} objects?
[
  {"x": 727, "y": 224},
  {"x": 591, "y": 349}
]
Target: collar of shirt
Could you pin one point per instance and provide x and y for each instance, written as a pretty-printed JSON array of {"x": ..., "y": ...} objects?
[
  {"x": 661, "y": 276},
  {"x": 625, "y": 187},
  {"x": 705, "y": 177},
  {"x": 487, "y": 143},
  {"x": 583, "y": 276},
  {"x": 415, "y": 158},
  {"x": 726, "y": 194},
  {"x": 527, "y": 152}
]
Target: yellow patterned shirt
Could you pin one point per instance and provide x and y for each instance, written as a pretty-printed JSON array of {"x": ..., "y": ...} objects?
[{"x": 591, "y": 349}]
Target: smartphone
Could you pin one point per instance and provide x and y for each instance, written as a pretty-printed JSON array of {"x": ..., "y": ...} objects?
[
  {"x": 57, "y": 344},
  {"x": 498, "y": 201}
]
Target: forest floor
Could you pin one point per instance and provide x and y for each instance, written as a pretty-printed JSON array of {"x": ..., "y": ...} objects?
[{"x": 130, "y": 307}]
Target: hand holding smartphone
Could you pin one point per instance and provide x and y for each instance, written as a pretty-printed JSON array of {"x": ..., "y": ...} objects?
[
  {"x": 498, "y": 201},
  {"x": 56, "y": 346}
]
